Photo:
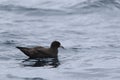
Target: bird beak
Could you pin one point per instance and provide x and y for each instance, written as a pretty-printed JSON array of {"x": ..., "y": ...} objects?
[{"x": 62, "y": 47}]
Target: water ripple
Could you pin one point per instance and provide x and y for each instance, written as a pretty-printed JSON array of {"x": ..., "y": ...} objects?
[
  {"x": 24, "y": 78},
  {"x": 30, "y": 10}
]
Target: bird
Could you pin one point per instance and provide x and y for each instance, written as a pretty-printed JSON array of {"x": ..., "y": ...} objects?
[{"x": 42, "y": 52}]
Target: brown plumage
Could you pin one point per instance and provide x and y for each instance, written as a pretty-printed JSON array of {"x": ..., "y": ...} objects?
[{"x": 41, "y": 52}]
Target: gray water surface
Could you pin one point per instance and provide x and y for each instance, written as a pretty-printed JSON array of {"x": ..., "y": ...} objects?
[{"x": 88, "y": 29}]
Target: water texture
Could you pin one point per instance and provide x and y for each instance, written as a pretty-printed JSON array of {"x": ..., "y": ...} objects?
[{"x": 88, "y": 29}]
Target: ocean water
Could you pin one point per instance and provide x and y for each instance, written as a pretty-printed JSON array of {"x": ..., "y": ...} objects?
[{"x": 88, "y": 29}]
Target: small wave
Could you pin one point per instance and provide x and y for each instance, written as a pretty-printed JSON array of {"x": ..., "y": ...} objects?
[
  {"x": 30, "y": 10},
  {"x": 92, "y": 6},
  {"x": 9, "y": 42},
  {"x": 10, "y": 7},
  {"x": 88, "y": 6},
  {"x": 24, "y": 78},
  {"x": 4, "y": 58}
]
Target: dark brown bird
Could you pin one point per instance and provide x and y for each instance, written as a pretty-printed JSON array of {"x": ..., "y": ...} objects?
[{"x": 41, "y": 52}]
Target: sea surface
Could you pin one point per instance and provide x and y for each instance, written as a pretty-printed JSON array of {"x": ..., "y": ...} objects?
[{"x": 88, "y": 29}]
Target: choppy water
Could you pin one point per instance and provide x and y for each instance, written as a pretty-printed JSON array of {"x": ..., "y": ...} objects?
[{"x": 88, "y": 29}]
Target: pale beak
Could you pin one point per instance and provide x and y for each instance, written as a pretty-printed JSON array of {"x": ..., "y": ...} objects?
[{"x": 62, "y": 47}]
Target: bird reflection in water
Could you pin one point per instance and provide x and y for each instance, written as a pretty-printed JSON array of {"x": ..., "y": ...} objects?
[{"x": 41, "y": 62}]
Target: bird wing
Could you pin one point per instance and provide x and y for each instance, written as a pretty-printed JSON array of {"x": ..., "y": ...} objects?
[
  {"x": 37, "y": 52},
  {"x": 43, "y": 52}
]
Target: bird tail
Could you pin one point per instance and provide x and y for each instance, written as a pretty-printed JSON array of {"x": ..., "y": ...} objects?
[
  {"x": 24, "y": 50},
  {"x": 19, "y": 47}
]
